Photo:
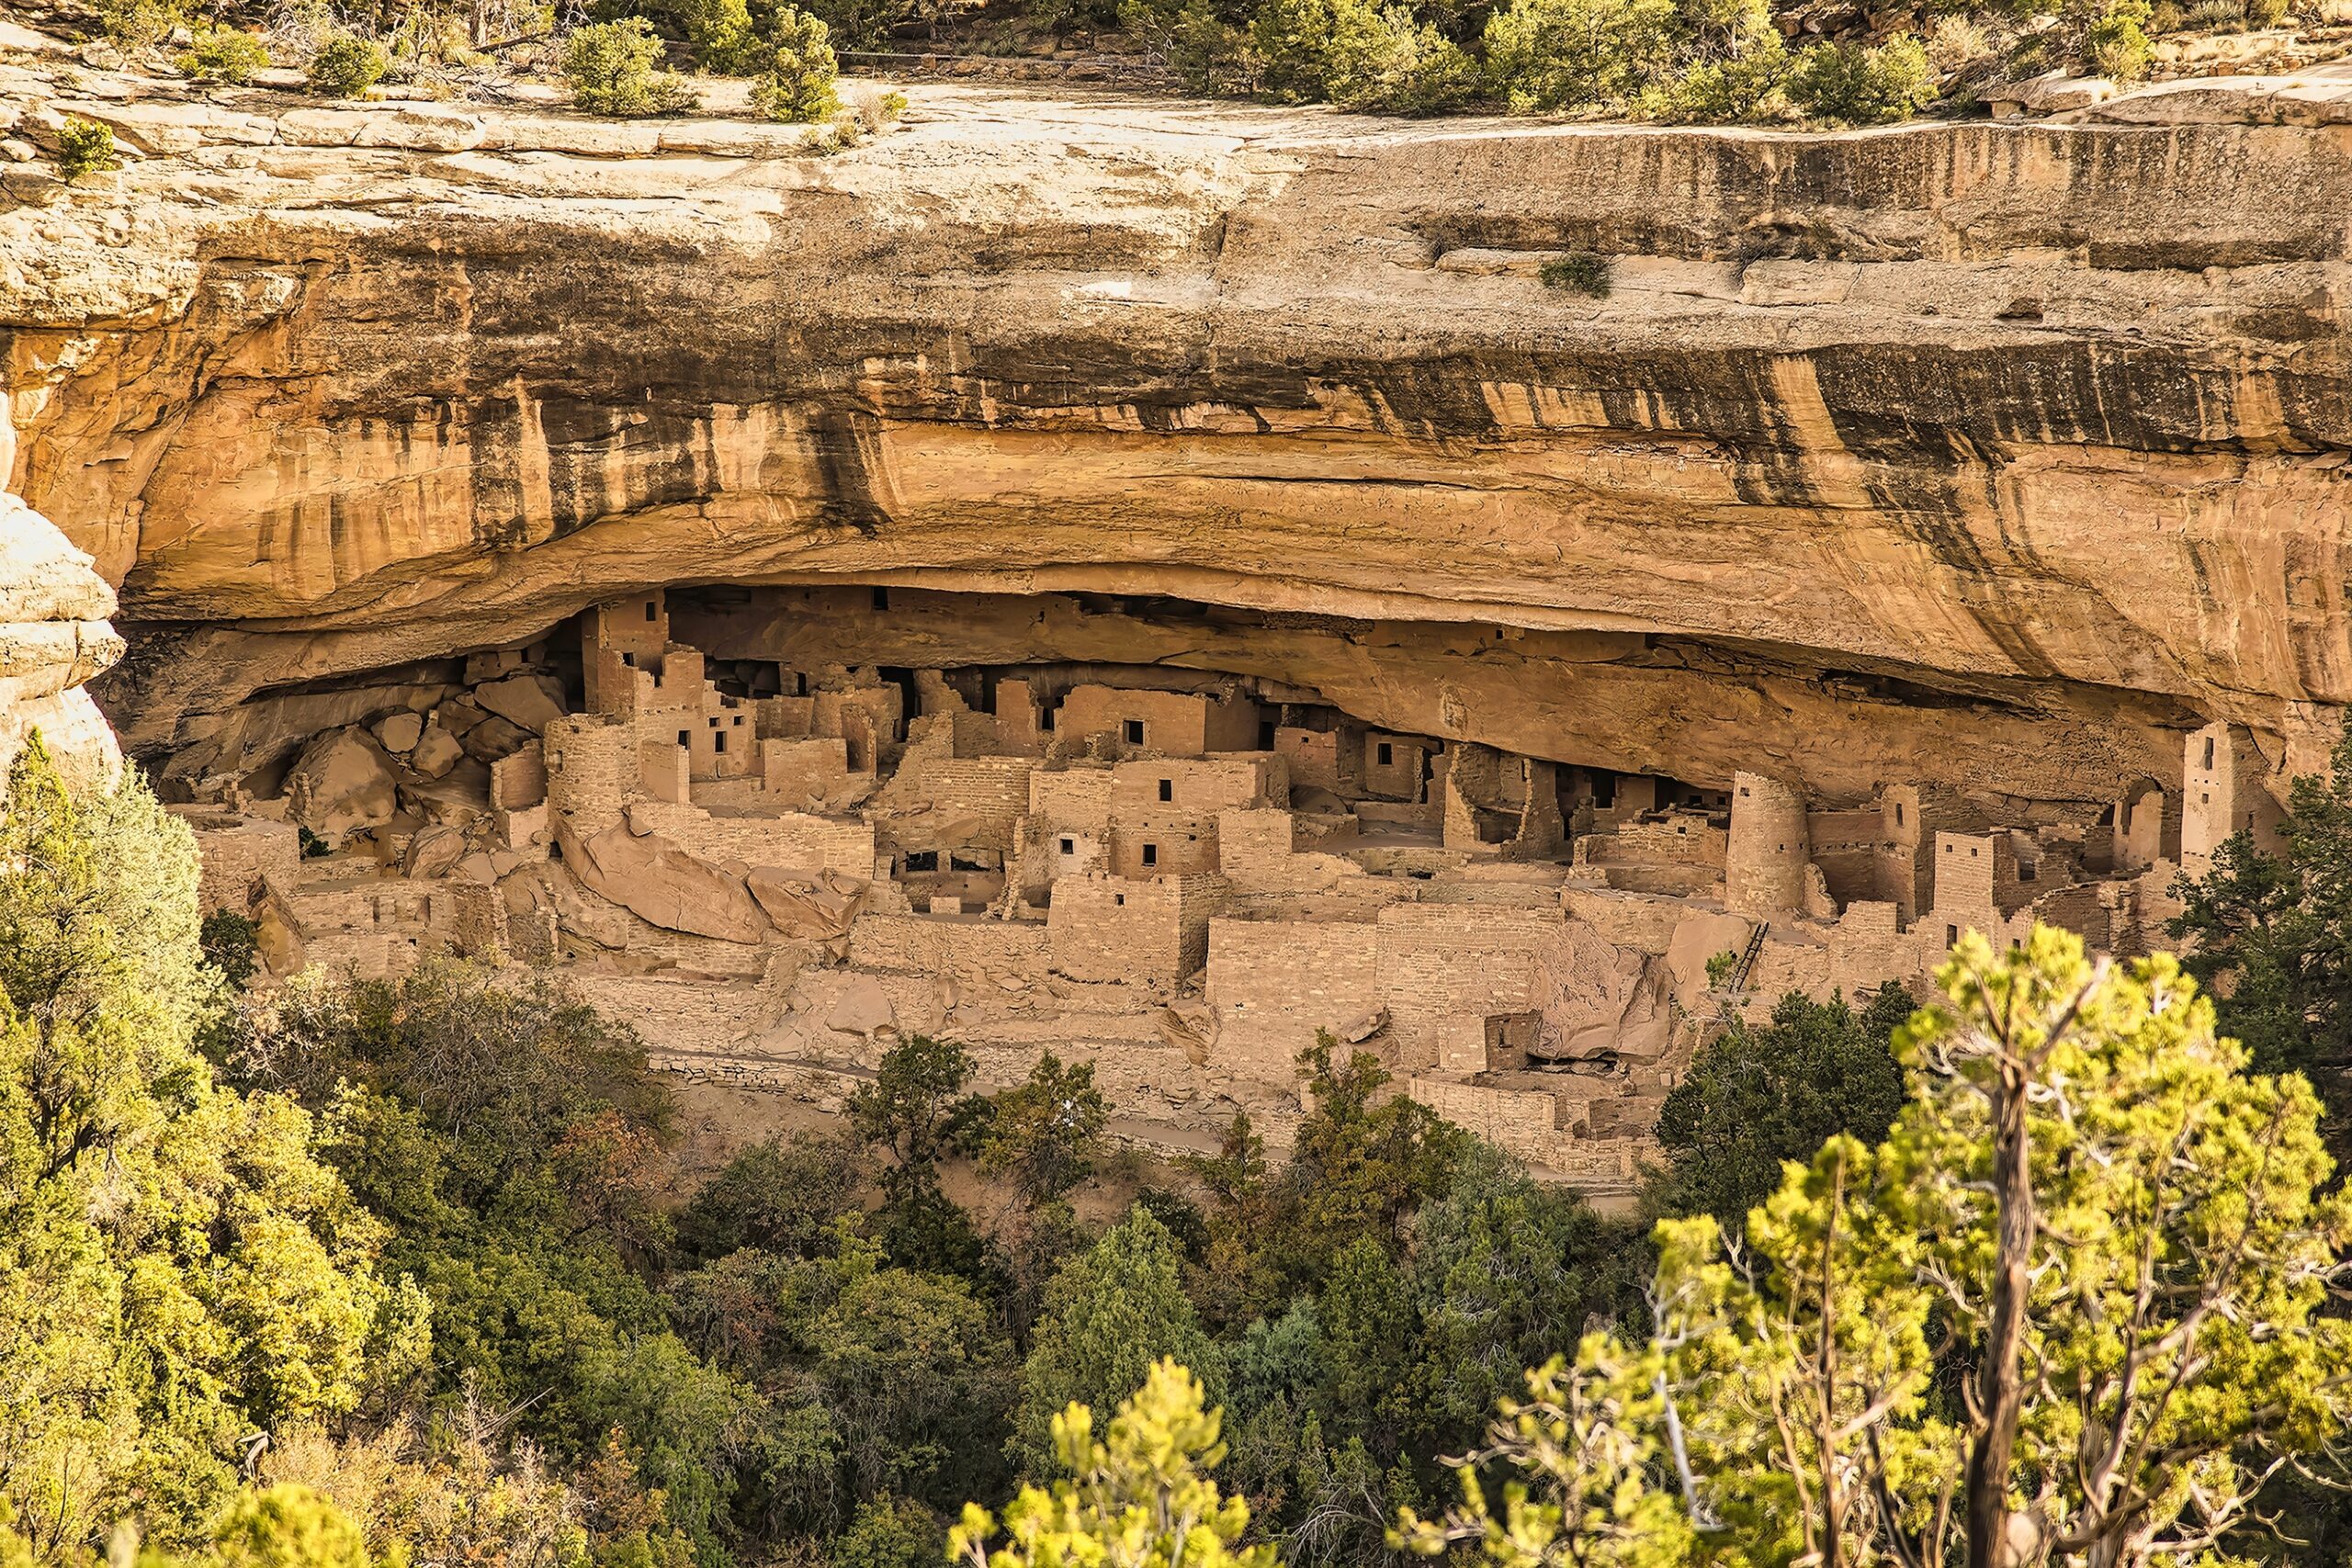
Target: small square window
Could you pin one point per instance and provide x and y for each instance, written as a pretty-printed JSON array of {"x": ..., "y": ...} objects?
[
  {"x": 1151, "y": 854},
  {"x": 1388, "y": 754},
  {"x": 1167, "y": 789},
  {"x": 1135, "y": 732},
  {"x": 713, "y": 724},
  {"x": 1069, "y": 846},
  {"x": 1120, "y": 899}
]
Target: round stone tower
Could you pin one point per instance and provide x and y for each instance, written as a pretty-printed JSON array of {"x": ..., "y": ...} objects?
[{"x": 1765, "y": 862}]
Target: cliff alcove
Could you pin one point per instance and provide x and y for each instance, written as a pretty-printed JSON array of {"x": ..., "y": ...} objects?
[{"x": 1156, "y": 582}]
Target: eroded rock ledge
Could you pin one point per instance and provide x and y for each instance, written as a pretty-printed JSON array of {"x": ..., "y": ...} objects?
[{"x": 2001, "y": 463}]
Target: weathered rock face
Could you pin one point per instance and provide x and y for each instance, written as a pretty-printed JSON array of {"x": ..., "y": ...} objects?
[
  {"x": 2016, "y": 442},
  {"x": 54, "y": 636}
]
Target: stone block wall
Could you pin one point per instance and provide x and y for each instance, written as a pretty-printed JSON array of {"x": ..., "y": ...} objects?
[
  {"x": 1114, "y": 929},
  {"x": 1073, "y": 797},
  {"x": 1525, "y": 1122},
  {"x": 519, "y": 781},
  {"x": 1766, "y": 852},
  {"x": 1157, "y": 844},
  {"x": 1273, "y": 983},
  {"x": 235, "y": 859},
  {"x": 1439, "y": 962},
  {"x": 799, "y": 771},
  {"x": 1393, "y": 766},
  {"x": 789, "y": 841},
  {"x": 2224, "y": 792},
  {"x": 981, "y": 953},
  {"x": 1323, "y": 759},
  {"x": 592, "y": 769},
  {"x": 1196, "y": 786}
]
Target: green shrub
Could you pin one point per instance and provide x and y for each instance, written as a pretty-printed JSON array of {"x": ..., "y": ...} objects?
[
  {"x": 2117, "y": 45},
  {"x": 833, "y": 136},
  {"x": 1565, "y": 54},
  {"x": 141, "y": 24},
  {"x": 1359, "y": 56},
  {"x": 877, "y": 114},
  {"x": 346, "y": 66},
  {"x": 721, "y": 35},
  {"x": 1385, "y": 61},
  {"x": 85, "y": 147},
  {"x": 610, "y": 68},
  {"x": 1741, "y": 90},
  {"x": 1292, "y": 39},
  {"x": 1204, "y": 51},
  {"x": 1059, "y": 17},
  {"x": 224, "y": 54},
  {"x": 858, "y": 23},
  {"x": 1580, "y": 272},
  {"x": 232, "y": 944},
  {"x": 2265, "y": 13},
  {"x": 797, "y": 86},
  {"x": 1846, "y": 85}
]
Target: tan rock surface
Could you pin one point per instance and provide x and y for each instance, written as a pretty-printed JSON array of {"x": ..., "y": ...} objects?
[
  {"x": 2021, "y": 439},
  {"x": 54, "y": 636},
  {"x": 341, "y": 783},
  {"x": 663, "y": 885}
]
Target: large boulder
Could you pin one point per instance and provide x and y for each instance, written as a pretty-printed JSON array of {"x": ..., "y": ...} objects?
[
  {"x": 664, "y": 886},
  {"x": 816, "y": 905},
  {"x": 529, "y": 701},
  {"x": 341, "y": 783},
  {"x": 435, "y": 751}
]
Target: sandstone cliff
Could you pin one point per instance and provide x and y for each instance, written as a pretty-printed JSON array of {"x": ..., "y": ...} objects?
[
  {"x": 54, "y": 636},
  {"x": 2020, "y": 442}
]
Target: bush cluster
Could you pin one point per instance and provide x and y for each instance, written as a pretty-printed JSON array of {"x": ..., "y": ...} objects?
[
  {"x": 223, "y": 55},
  {"x": 610, "y": 67},
  {"x": 1709, "y": 61},
  {"x": 797, "y": 69},
  {"x": 85, "y": 147},
  {"x": 347, "y": 66}
]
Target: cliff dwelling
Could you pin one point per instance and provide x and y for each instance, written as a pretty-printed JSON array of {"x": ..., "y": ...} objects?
[
  {"x": 1158, "y": 588},
  {"x": 777, "y": 827}
]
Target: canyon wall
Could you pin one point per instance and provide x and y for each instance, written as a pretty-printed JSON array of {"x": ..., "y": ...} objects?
[{"x": 2015, "y": 443}]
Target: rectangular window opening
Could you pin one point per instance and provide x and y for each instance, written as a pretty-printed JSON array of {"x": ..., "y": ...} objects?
[
  {"x": 649, "y": 614},
  {"x": 1388, "y": 754},
  {"x": 685, "y": 738},
  {"x": 2209, "y": 752},
  {"x": 1069, "y": 846},
  {"x": 1167, "y": 789},
  {"x": 1151, "y": 854},
  {"x": 1135, "y": 732},
  {"x": 718, "y": 742}
]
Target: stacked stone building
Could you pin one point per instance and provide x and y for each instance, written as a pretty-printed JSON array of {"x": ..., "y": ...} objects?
[{"x": 775, "y": 869}]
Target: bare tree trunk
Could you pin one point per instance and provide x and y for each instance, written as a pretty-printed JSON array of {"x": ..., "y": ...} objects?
[{"x": 2000, "y": 1387}]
